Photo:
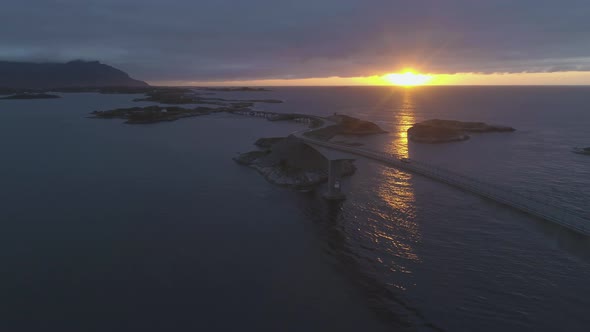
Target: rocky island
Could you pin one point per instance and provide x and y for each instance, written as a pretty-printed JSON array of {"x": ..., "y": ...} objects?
[
  {"x": 178, "y": 96},
  {"x": 233, "y": 89},
  {"x": 31, "y": 96},
  {"x": 285, "y": 161},
  {"x": 442, "y": 131},
  {"x": 291, "y": 163},
  {"x": 183, "y": 96},
  {"x": 152, "y": 114},
  {"x": 345, "y": 125},
  {"x": 585, "y": 151}
]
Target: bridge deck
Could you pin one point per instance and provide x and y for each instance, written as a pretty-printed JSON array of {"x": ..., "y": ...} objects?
[{"x": 518, "y": 201}]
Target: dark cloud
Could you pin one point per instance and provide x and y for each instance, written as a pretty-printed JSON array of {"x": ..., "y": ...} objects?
[{"x": 238, "y": 39}]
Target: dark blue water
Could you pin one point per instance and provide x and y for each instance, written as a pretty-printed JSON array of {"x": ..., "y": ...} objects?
[{"x": 106, "y": 226}]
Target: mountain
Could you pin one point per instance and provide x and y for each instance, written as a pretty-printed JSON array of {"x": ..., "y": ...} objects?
[{"x": 74, "y": 74}]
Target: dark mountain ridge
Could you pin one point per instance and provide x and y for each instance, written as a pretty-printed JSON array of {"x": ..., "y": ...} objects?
[{"x": 73, "y": 74}]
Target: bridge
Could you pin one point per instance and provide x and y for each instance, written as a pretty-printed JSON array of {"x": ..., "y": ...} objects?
[
  {"x": 518, "y": 201},
  {"x": 337, "y": 152}
]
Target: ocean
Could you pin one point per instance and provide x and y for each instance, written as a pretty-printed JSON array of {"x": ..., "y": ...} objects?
[{"x": 107, "y": 226}]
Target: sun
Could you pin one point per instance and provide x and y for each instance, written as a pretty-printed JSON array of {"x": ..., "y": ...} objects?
[{"x": 408, "y": 78}]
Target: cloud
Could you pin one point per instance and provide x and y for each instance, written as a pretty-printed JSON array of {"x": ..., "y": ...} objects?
[{"x": 258, "y": 39}]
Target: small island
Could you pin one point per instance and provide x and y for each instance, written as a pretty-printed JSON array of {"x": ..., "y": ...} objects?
[
  {"x": 443, "y": 131},
  {"x": 292, "y": 163},
  {"x": 31, "y": 96},
  {"x": 288, "y": 162},
  {"x": 177, "y": 97},
  {"x": 345, "y": 125},
  {"x": 233, "y": 89},
  {"x": 182, "y": 96},
  {"x": 152, "y": 114},
  {"x": 285, "y": 161},
  {"x": 585, "y": 151}
]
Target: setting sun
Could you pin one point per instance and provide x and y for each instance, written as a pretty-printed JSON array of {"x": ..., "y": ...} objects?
[{"x": 407, "y": 78}]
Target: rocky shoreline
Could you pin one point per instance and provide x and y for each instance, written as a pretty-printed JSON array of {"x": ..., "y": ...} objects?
[
  {"x": 288, "y": 162},
  {"x": 187, "y": 96},
  {"x": 291, "y": 163},
  {"x": 151, "y": 114},
  {"x": 155, "y": 114},
  {"x": 345, "y": 125},
  {"x": 284, "y": 161},
  {"x": 177, "y": 96}
]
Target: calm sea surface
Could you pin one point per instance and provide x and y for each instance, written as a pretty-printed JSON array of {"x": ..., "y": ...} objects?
[{"x": 113, "y": 227}]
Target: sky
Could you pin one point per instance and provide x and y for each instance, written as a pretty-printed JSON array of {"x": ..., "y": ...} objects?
[{"x": 308, "y": 42}]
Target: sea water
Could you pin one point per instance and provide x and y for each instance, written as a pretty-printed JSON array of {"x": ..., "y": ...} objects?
[{"x": 108, "y": 226}]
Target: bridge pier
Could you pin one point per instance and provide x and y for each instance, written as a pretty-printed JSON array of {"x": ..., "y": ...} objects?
[{"x": 334, "y": 193}]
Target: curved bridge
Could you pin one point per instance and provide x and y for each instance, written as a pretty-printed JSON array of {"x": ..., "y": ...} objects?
[{"x": 532, "y": 206}]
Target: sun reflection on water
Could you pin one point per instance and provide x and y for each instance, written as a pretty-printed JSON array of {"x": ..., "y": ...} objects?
[
  {"x": 391, "y": 226},
  {"x": 403, "y": 118},
  {"x": 395, "y": 229},
  {"x": 386, "y": 232},
  {"x": 397, "y": 192}
]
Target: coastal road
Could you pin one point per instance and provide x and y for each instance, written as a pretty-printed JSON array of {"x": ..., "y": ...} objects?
[{"x": 530, "y": 205}]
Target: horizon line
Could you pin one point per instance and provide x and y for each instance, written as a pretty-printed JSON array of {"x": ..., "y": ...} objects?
[{"x": 371, "y": 86}]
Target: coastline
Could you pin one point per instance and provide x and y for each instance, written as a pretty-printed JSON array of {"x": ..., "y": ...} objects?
[
  {"x": 396, "y": 240},
  {"x": 146, "y": 200}
]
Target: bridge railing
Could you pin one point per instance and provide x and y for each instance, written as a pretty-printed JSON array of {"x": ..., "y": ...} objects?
[
  {"x": 493, "y": 186},
  {"x": 532, "y": 205}
]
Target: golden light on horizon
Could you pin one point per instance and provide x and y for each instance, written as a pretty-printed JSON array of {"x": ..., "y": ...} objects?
[
  {"x": 467, "y": 78},
  {"x": 407, "y": 78}
]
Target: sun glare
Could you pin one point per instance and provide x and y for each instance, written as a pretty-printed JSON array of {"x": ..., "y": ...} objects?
[{"x": 407, "y": 78}]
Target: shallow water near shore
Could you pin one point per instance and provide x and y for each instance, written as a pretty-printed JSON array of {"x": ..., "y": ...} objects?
[{"x": 154, "y": 227}]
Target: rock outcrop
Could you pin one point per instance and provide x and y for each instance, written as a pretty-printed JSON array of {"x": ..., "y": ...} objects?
[
  {"x": 290, "y": 162},
  {"x": 474, "y": 127},
  {"x": 442, "y": 131},
  {"x": 233, "y": 89},
  {"x": 181, "y": 96},
  {"x": 152, "y": 114},
  {"x": 268, "y": 142},
  {"x": 346, "y": 125}
]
